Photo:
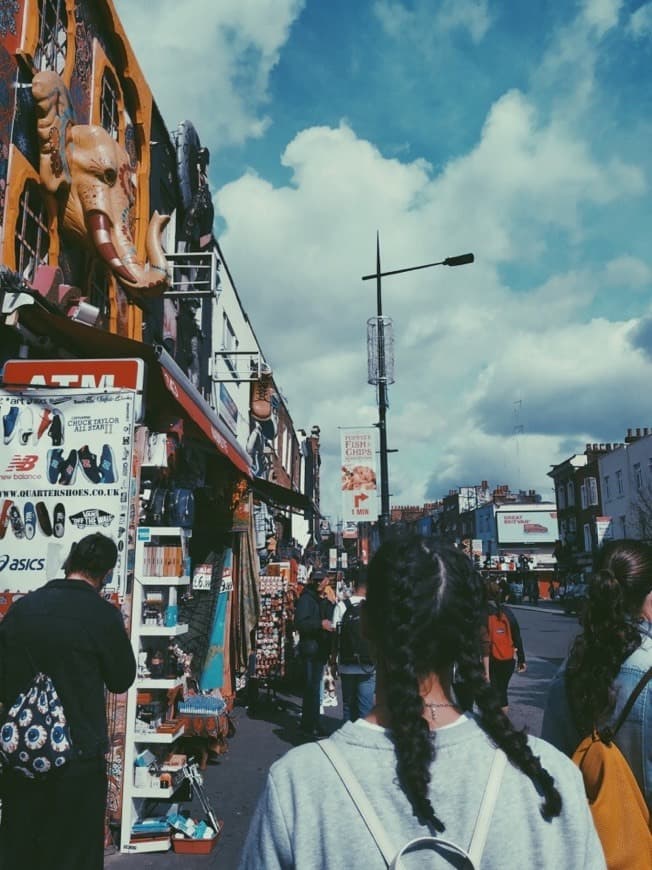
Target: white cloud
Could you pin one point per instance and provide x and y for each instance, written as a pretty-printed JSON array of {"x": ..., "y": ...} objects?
[
  {"x": 224, "y": 80},
  {"x": 628, "y": 273},
  {"x": 424, "y": 18},
  {"x": 640, "y": 22}
]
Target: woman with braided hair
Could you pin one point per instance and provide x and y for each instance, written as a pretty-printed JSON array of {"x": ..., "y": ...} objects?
[
  {"x": 607, "y": 661},
  {"x": 425, "y": 754}
]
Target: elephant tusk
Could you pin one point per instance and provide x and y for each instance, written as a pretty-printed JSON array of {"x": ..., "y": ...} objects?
[{"x": 100, "y": 228}]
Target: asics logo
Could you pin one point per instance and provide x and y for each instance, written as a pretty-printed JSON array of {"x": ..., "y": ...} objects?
[
  {"x": 24, "y": 462},
  {"x": 27, "y": 564}
]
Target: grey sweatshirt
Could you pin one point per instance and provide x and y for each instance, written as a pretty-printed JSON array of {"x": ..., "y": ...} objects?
[{"x": 305, "y": 818}]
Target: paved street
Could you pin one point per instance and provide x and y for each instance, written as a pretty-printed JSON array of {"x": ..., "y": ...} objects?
[{"x": 235, "y": 782}]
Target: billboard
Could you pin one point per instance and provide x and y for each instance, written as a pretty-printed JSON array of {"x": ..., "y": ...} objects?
[
  {"x": 359, "y": 475},
  {"x": 527, "y": 526}
]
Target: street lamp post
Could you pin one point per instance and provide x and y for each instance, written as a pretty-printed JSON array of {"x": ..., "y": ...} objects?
[{"x": 382, "y": 379}]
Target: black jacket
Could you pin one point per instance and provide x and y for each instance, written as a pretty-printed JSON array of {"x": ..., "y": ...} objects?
[
  {"x": 307, "y": 621},
  {"x": 69, "y": 632}
]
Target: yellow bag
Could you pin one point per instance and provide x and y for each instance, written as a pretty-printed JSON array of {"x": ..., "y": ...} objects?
[{"x": 619, "y": 810}]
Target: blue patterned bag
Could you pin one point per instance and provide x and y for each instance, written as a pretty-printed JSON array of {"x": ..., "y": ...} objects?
[{"x": 35, "y": 737}]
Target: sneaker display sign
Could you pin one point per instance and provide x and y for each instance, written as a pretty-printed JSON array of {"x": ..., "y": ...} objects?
[{"x": 65, "y": 471}]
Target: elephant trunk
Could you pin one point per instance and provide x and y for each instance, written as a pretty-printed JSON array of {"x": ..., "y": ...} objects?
[{"x": 143, "y": 280}]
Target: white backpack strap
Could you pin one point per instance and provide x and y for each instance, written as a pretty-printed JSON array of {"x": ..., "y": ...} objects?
[
  {"x": 486, "y": 811},
  {"x": 359, "y": 798},
  {"x": 379, "y": 834}
]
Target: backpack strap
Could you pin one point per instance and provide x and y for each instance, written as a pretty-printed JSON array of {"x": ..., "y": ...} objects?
[
  {"x": 377, "y": 831},
  {"x": 607, "y": 734}
]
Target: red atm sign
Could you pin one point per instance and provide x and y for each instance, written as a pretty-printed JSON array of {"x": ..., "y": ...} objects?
[{"x": 85, "y": 374}]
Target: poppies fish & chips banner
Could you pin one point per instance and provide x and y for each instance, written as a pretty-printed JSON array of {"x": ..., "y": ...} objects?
[{"x": 359, "y": 475}]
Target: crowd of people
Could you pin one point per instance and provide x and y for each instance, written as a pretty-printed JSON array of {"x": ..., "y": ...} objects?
[{"x": 435, "y": 772}]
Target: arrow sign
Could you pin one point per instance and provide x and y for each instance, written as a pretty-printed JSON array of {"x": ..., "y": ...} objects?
[{"x": 359, "y": 498}]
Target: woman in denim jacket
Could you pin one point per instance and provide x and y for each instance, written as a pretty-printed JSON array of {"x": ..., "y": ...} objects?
[{"x": 607, "y": 661}]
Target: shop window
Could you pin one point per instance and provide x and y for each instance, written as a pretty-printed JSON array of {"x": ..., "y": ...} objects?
[
  {"x": 110, "y": 104},
  {"x": 53, "y": 36},
  {"x": 32, "y": 239}
]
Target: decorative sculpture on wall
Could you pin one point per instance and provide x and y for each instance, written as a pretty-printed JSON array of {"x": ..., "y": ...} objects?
[{"x": 91, "y": 177}]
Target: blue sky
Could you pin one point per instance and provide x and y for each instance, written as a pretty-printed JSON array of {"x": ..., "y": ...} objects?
[{"x": 517, "y": 130}]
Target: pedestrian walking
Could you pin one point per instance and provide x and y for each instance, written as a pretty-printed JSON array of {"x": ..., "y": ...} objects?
[
  {"x": 68, "y": 631},
  {"x": 505, "y": 642},
  {"x": 608, "y": 660},
  {"x": 311, "y": 626},
  {"x": 354, "y": 656},
  {"x": 424, "y": 761}
]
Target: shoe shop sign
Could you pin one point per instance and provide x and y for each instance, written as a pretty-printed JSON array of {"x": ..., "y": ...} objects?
[{"x": 65, "y": 472}]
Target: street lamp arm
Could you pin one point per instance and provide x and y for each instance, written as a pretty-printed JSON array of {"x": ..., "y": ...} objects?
[{"x": 460, "y": 260}]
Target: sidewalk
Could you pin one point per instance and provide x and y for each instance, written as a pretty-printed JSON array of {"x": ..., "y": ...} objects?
[{"x": 234, "y": 783}]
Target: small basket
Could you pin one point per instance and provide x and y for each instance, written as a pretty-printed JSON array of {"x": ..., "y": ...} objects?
[{"x": 187, "y": 846}]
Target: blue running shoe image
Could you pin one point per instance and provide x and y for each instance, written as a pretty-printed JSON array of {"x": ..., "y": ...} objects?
[
  {"x": 9, "y": 427},
  {"x": 55, "y": 461},
  {"x": 107, "y": 465},
  {"x": 68, "y": 469},
  {"x": 29, "y": 520}
]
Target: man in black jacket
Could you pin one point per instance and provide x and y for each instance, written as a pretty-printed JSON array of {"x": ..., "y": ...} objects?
[
  {"x": 311, "y": 625},
  {"x": 68, "y": 631}
]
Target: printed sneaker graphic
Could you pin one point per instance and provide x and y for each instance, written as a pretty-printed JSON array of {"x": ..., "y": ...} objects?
[
  {"x": 107, "y": 465},
  {"x": 68, "y": 469},
  {"x": 88, "y": 463},
  {"x": 4, "y": 517},
  {"x": 43, "y": 518},
  {"x": 56, "y": 428},
  {"x": 29, "y": 519},
  {"x": 55, "y": 461},
  {"x": 26, "y": 431},
  {"x": 44, "y": 423},
  {"x": 16, "y": 522},
  {"x": 59, "y": 520},
  {"x": 9, "y": 427},
  {"x": 91, "y": 517}
]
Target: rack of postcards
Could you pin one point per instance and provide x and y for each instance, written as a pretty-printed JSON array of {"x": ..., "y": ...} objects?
[{"x": 276, "y": 613}]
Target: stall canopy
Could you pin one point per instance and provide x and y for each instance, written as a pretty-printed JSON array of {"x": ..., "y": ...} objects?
[
  {"x": 58, "y": 332},
  {"x": 281, "y": 495}
]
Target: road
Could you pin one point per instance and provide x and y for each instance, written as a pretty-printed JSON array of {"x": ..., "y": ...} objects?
[{"x": 233, "y": 784}]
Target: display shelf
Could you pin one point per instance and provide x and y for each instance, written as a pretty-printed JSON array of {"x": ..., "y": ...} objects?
[
  {"x": 161, "y": 845},
  {"x": 161, "y": 560},
  {"x": 163, "y": 630},
  {"x": 158, "y": 683},
  {"x": 158, "y": 737}
]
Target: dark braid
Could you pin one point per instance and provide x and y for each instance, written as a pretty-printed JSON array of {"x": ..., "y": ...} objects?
[
  {"x": 426, "y": 606},
  {"x": 616, "y": 593}
]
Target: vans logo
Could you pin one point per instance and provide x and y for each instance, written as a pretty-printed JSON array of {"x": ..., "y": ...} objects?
[{"x": 24, "y": 462}]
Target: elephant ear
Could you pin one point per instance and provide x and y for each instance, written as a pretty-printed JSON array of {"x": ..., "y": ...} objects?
[{"x": 55, "y": 117}]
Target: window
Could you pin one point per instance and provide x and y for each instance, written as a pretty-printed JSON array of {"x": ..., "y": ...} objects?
[
  {"x": 592, "y": 490},
  {"x": 109, "y": 104},
  {"x": 572, "y": 525},
  {"x": 587, "y": 538},
  {"x": 619, "y": 482},
  {"x": 229, "y": 342},
  {"x": 623, "y": 526},
  {"x": 607, "y": 491},
  {"x": 53, "y": 36},
  {"x": 638, "y": 476},
  {"x": 561, "y": 496},
  {"x": 570, "y": 492},
  {"x": 583, "y": 499},
  {"x": 32, "y": 232}
]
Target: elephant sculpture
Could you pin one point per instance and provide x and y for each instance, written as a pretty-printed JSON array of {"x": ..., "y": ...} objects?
[{"x": 92, "y": 179}]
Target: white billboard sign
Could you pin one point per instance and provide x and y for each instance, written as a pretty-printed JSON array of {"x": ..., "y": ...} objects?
[
  {"x": 359, "y": 475},
  {"x": 65, "y": 472},
  {"x": 527, "y": 527}
]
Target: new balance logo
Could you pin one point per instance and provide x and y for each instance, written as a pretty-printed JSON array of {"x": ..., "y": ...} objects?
[{"x": 23, "y": 463}]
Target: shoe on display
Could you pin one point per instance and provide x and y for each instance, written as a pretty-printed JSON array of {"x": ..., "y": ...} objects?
[
  {"x": 59, "y": 520},
  {"x": 26, "y": 431},
  {"x": 4, "y": 517},
  {"x": 261, "y": 396},
  {"x": 29, "y": 519},
  {"x": 9, "y": 421},
  {"x": 107, "y": 465},
  {"x": 68, "y": 469},
  {"x": 56, "y": 428},
  {"x": 44, "y": 423},
  {"x": 55, "y": 461},
  {"x": 43, "y": 518},
  {"x": 88, "y": 464},
  {"x": 16, "y": 521}
]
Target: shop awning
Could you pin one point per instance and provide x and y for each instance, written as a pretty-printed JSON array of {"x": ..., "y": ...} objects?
[
  {"x": 281, "y": 495},
  {"x": 165, "y": 377}
]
